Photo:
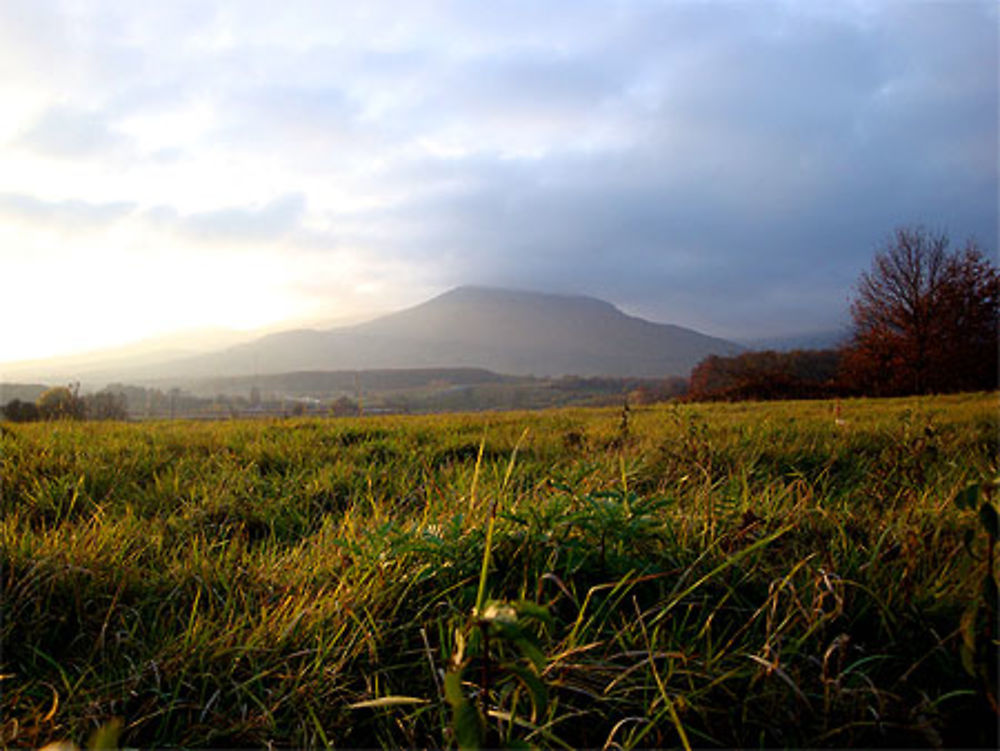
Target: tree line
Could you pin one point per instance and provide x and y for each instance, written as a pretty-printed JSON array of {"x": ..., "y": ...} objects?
[
  {"x": 925, "y": 319},
  {"x": 66, "y": 403},
  {"x": 120, "y": 401}
]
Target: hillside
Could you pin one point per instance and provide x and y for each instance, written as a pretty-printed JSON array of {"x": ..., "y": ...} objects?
[
  {"x": 505, "y": 331},
  {"x": 26, "y": 392}
]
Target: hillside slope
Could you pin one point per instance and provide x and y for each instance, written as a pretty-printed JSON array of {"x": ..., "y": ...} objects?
[{"x": 506, "y": 331}]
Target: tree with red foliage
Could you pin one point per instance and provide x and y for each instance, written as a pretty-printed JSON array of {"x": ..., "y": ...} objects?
[
  {"x": 801, "y": 374},
  {"x": 925, "y": 320}
]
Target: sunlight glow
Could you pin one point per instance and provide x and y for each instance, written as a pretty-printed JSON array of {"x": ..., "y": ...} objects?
[{"x": 107, "y": 296}]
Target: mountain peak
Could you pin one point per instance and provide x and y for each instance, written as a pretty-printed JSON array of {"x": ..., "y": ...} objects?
[{"x": 523, "y": 332}]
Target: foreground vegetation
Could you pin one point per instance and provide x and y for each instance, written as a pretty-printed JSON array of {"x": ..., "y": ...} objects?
[{"x": 694, "y": 575}]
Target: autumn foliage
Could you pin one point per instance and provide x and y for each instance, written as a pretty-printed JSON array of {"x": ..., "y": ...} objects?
[
  {"x": 802, "y": 374},
  {"x": 925, "y": 319}
]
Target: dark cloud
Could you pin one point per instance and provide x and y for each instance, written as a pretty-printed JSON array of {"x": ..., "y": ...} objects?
[{"x": 761, "y": 173}]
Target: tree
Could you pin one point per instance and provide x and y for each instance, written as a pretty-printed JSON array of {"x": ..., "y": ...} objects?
[
  {"x": 970, "y": 309},
  {"x": 344, "y": 407},
  {"x": 21, "y": 411},
  {"x": 106, "y": 405},
  {"x": 61, "y": 402},
  {"x": 925, "y": 320}
]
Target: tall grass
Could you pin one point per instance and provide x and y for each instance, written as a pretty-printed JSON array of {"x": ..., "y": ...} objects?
[{"x": 696, "y": 575}]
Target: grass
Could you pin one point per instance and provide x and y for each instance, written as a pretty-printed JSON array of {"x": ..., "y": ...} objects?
[{"x": 697, "y": 575}]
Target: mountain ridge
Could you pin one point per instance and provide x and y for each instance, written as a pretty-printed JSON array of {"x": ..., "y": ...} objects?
[
  {"x": 516, "y": 332},
  {"x": 509, "y": 331}
]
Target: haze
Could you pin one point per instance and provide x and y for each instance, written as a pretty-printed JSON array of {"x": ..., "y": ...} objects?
[{"x": 729, "y": 167}]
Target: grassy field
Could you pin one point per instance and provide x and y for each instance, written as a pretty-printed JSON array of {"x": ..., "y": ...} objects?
[{"x": 698, "y": 575}]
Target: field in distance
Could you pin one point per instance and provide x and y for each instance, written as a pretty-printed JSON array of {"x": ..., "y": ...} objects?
[{"x": 723, "y": 575}]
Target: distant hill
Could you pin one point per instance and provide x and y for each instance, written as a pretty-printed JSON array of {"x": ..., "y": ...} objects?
[
  {"x": 26, "y": 392},
  {"x": 505, "y": 331},
  {"x": 827, "y": 339},
  {"x": 322, "y": 384},
  {"x": 147, "y": 355}
]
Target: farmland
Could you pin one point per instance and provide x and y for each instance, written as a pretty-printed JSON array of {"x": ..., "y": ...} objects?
[{"x": 679, "y": 575}]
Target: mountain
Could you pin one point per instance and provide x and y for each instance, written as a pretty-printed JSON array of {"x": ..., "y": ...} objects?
[{"x": 506, "y": 331}]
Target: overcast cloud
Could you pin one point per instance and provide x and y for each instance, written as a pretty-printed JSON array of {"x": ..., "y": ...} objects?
[{"x": 726, "y": 166}]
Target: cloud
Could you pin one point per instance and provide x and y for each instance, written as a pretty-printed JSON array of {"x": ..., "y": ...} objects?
[
  {"x": 69, "y": 132},
  {"x": 68, "y": 215},
  {"x": 728, "y": 164},
  {"x": 236, "y": 224}
]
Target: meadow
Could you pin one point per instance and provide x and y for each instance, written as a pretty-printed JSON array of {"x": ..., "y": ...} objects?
[{"x": 694, "y": 575}]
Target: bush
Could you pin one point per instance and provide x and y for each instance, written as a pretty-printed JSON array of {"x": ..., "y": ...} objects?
[{"x": 20, "y": 411}]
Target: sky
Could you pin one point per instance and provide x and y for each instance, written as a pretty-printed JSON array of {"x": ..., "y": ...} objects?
[{"x": 727, "y": 166}]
